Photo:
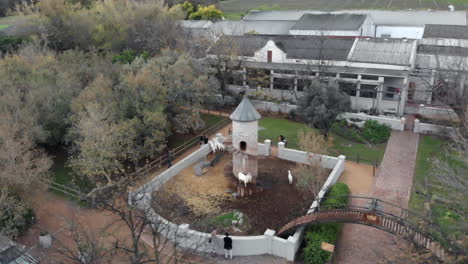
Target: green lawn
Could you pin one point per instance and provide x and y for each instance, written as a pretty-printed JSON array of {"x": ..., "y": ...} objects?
[
  {"x": 2, "y": 27},
  {"x": 272, "y": 127},
  {"x": 60, "y": 173},
  {"x": 431, "y": 147},
  {"x": 234, "y": 15}
]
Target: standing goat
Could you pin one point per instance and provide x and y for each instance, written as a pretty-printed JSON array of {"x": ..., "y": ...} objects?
[
  {"x": 244, "y": 178},
  {"x": 290, "y": 177}
]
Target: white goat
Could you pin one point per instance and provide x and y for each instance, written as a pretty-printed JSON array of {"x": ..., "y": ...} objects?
[
  {"x": 290, "y": 177},
  {"x": 219, "y": 145},
  {"x": 215, "y": 145},
  {"x": 244, "y": 178},
  {"x": 212, "y": 145}
]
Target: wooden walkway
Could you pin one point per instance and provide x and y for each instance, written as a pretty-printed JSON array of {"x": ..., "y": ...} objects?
[{"x": 388, "y": 223}]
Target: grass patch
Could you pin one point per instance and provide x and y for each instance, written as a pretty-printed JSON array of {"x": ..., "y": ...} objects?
[
  {"x": 432, "y": 147},
  {"x": 234, "y": 15},
  {"x": 429, "y": 147},
  {"x": 275, "y": 126},
  {"x": 2, "y": 27}
]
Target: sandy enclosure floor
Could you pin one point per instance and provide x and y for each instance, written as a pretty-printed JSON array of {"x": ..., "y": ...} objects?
[{"x": 188, "y": 198}]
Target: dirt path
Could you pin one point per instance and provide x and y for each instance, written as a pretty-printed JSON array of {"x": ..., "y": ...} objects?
[{"x": 362, "y": 244}]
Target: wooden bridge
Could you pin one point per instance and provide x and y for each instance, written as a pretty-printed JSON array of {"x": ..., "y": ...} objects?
[{"x": 378, "y": 214}]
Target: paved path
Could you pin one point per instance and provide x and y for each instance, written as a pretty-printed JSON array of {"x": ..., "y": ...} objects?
[{"x": 362, "y": 244}]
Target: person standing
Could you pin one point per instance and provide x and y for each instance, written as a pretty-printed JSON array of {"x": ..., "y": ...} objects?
[
  {"x": 169, "y": 158},
  {"x": 212, "y": 243},
  {"x": 227, "y": 246}
]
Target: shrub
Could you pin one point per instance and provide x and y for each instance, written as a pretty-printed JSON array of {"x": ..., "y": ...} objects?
[
  {"x": 339, "y": 189},
  {"x": 375, "y": 132},
  {"x": 316, "y": 234}
]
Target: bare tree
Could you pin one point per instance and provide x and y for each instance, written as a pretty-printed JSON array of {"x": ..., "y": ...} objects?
[{"x": 311, "y": 176}]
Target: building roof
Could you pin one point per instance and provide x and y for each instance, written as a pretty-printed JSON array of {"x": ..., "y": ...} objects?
[
  {"x": 11, "y": 253},
  {"x": 380, "y": 17},
  {"x": 442, "y": 50},
  {"x": 383, "y": 51},
  {"x": 245, "y": 112},
  {"x": 195, "y": 23},
  {"x": 446, "y": 31},
  {"x": 240, "y": 27},
  {"x": 296, "y": 47},
  {"x": 330, "y": 22}
]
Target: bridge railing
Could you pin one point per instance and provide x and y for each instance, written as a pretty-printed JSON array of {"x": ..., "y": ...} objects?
[{"x": 380, "y": 207}]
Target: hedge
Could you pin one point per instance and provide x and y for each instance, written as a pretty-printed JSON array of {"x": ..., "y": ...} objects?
[
  {"x": 372, "y": 132},
  {"x": 328, "y": 232}
]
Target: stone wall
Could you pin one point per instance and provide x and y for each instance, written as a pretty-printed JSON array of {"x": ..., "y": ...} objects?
[
  {"x": 430, "y": 129},
  {"x": 393, "y": 123},
  {"x": 267, "y": 243}
]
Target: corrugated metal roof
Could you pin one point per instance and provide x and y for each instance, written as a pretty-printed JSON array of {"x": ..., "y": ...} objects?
[
  {"x": 245, "y": 112},
  {"x": 442, "y": 50},
  {"x": 330, "y": 22},
  {"x": 195, "y": 23},
  {"x": 380, "y": 17},
  {"x": 392, "y": 51},
  {"x": 240, "y": 27},
  {"x": 446, "y": 31},
  {"x": 296, "y": 47}
]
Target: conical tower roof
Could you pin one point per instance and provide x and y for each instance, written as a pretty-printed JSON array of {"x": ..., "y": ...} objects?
[{"x": 245, "y": 112}]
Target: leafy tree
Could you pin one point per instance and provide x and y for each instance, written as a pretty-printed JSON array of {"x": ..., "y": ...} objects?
[
  {"x": 321, "y": 104},
  {"x": 209, "y": 12}
]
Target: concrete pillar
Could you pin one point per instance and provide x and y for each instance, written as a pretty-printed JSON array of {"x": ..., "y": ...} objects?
[
  {"x": 280, "y": 149},
  {"x": 244, "y": 76},
  {"x": 403, "y": 95},
  {"x": 416, "y": 126},
  {"x": 269, "y": 234},
  {"x": 380, "y": 88},
  {"x": 271, "y": 80},
  {"x": 267, "y": 147}
]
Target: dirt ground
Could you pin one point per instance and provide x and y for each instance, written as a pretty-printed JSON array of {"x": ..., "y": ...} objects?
[{"x": 188, "y": 198}]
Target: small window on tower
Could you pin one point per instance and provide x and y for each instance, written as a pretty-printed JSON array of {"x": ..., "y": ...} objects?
[
  {"x": 243, "y": 146},
  {"x": 270, "y": 55}
]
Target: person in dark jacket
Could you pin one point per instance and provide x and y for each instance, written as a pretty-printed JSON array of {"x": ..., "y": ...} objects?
[
  {"x": 227, "y": 246},
  {"x": 169, "y": 158}
]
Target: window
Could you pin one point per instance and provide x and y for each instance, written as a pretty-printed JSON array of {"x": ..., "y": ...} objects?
[
  {"x": 258, "y": 77},
  {"x": 269, "y": 55},
  {"x": 235, "y": 78},
  {"x": 391, "y": 93},
  {"x": 243, "y": 146},
  {"x": 370, "y": 77},
  {"x": 348, "y": 88},
  {"x": 348, "y": 75},
  {"x": 368, "y": 91},
  {"x": 301, "y": 84},
  {"x": 283, "y": 84}
]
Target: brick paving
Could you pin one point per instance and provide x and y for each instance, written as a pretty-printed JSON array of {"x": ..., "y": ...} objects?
[{"x": 361, "y": 244}]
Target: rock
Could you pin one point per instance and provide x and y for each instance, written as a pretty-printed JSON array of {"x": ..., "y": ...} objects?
[{"x": 235, "y": 222}]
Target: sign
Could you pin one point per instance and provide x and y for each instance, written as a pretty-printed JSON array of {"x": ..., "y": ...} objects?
[{"x": 328, "y": 247}]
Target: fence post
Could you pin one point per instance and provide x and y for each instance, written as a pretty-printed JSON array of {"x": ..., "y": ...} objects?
[{"x": 373, "y": 168}]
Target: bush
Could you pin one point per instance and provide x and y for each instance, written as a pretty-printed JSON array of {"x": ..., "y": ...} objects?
[
  {"x": 342, "y": 129},
  {"x": 339, "y": 189},
  {"x": 9, "y": 43},
  {"x": 316, "y": 234},
  {"x": 18, "y": 216},
  {"x": 375, "y": 132}
]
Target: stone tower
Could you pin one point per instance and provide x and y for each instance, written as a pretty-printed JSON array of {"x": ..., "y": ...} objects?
[{"x": 245, "y": 139}]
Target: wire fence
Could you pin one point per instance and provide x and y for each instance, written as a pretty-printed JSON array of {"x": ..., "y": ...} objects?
[{"x": 356, "y": 157}]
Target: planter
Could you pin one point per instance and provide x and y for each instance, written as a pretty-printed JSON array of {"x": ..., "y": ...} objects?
[
  {"x": 45, "y": 240},
  {"x": 359, "y": 124}
]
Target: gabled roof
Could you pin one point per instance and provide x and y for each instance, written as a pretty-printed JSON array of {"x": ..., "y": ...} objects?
[
  {"x": 346, "y": 22},
  {"x": 195, "y": 23},
  {"x": 442, "y": 50},
  {"x": 296, "y": 47},
  {"x": 383, "y": 51},
  {"x": 240, "y": 27},
  {"x": 380, "y": 17},
  {"x": 245, "y": 112},
  {"x": 446, "y": 31}
]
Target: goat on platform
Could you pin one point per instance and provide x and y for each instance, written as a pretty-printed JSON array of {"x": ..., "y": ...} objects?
[{"x": 244, "y": 178}]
